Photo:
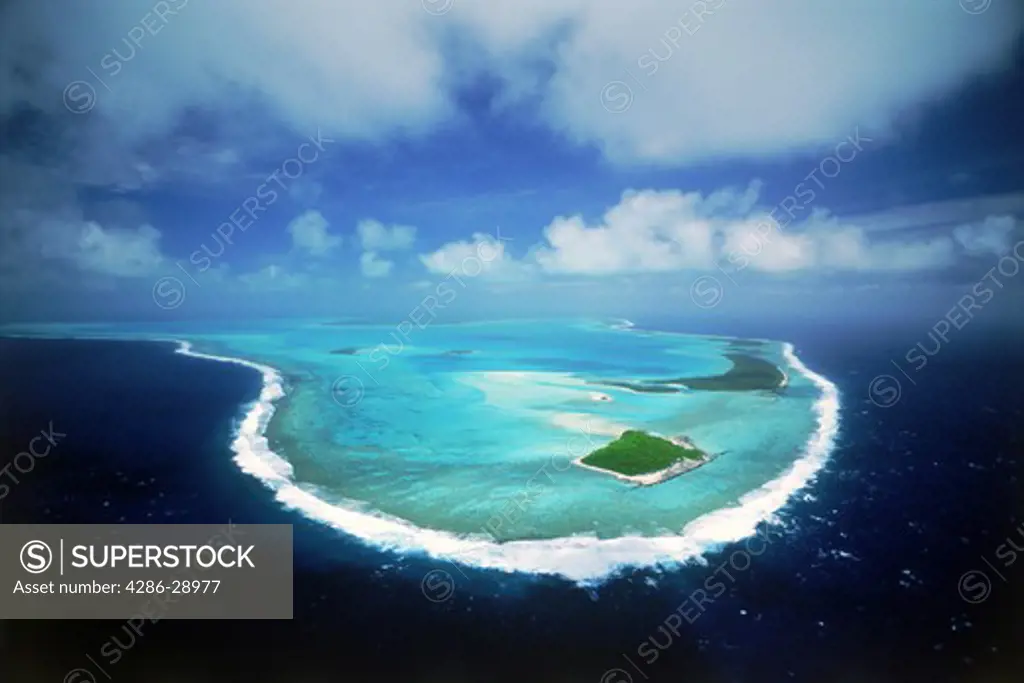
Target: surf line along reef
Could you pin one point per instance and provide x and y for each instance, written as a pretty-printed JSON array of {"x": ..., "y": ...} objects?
[{"x": 641, "y": 458}]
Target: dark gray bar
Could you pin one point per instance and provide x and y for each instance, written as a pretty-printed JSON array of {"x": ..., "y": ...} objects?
[{"x": 146, "y": 571}]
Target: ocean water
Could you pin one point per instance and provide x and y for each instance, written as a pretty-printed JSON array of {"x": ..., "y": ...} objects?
[
  {"x": 859, "y": 583},
  {"x": 459, "y": 440}
]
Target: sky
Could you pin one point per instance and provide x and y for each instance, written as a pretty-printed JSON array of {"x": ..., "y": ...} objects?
[{"x": 176, "y": 160}]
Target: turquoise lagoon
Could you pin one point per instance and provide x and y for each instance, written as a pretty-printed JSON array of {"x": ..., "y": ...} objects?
[{"x": 458, "y": 440}]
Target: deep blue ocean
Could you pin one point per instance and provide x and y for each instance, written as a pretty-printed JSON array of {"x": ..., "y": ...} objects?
[{"x": 862, "y": 582}]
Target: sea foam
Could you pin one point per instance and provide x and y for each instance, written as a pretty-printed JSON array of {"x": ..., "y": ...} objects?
[{"x": 583, "y": 559}]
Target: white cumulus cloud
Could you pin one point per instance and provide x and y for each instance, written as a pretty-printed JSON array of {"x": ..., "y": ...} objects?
[
  {"x": 375, "y": 236},
  {"x": 992, "y": 236},
  {"x": 122, "y": 253},
  {"x": 310, "y": 234},
  {"x": 660, "y": 231},
  {"x": 482, "y": 254},
  {"x": 372, "y": 265}
]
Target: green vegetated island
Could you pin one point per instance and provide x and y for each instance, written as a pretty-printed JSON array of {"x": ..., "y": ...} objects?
[
  {"x": 748, "y": 373},
  {"x": 645, "y": 459}
]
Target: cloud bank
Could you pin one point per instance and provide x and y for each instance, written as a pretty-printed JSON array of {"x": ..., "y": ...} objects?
[
  {"x": 664, "y": 231},
  {"x": 732, "y": 78},
  {"x": 142, "y": 93}
]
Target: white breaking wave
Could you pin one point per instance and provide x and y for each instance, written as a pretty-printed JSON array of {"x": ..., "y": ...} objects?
[{"x": 584, "y": 559}]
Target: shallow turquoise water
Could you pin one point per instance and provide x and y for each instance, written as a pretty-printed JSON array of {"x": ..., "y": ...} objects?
[{"x": 481, "y": 443}]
